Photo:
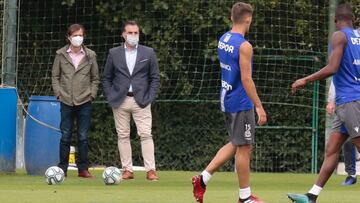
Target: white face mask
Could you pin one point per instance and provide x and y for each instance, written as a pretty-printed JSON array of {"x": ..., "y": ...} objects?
[
  {"x": 132, "y": 40},
  {"x": 76, "y": 41}
]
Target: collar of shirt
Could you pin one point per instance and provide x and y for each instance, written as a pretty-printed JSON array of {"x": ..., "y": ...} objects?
[
  {"x": 76, "y": 57},
  {"x": 130, "y": 50},
  {"x": 71, "y": 51}
]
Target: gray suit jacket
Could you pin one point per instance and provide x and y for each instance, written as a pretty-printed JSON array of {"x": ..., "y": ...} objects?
[{"x": 145, "y": 79}]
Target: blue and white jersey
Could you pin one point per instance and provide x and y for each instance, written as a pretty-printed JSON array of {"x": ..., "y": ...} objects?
[
  {"x": 233, "y": 97},
  {"x": 347, "y": 78}
]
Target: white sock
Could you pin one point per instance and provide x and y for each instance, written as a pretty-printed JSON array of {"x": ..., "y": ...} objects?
[
  {"x": 206, "y": 176},
  {"x": 244, "y": 193},
  {"x": 354, "y": 176},
  {"x": 315, "y": 190}
]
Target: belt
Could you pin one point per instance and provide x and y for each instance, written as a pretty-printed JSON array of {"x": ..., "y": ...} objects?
[{"x": 130, "y": 94}]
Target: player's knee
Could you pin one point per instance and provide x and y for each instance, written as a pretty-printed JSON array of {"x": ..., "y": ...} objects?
[{"x": 329, "y": 151}]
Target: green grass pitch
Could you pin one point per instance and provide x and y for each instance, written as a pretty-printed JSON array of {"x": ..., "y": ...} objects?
[{"x": 173, "y": 187}]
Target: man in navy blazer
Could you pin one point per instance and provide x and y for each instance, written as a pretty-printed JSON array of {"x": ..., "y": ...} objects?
[{"x": 130, "y": 81}]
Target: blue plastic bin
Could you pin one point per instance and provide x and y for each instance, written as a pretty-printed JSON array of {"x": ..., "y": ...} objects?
[
  {"x": 8, "y": 113},
  {"x": 41, "y": 142}
]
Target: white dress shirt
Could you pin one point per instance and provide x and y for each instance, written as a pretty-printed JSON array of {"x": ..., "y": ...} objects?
[{"x": 130, "y": 56}]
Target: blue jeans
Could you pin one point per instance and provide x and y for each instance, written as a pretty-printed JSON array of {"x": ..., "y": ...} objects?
[{"x": 82, "y": 113}]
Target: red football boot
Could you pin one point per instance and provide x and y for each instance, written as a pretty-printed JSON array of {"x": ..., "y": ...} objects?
[{"x": 198, "y": 189}]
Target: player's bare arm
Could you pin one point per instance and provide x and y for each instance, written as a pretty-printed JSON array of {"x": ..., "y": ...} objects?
[
  {"x": 338, "y": 42},
  {"x": 245, "y": 56}
]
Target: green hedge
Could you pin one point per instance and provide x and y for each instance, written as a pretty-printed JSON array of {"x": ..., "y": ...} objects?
[{"x": 188, "y": 135}]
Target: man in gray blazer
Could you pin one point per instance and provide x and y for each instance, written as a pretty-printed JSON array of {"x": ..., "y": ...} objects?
[{"x": 130, "y": 80}]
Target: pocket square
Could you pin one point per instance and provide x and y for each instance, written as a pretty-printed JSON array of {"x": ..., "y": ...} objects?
[{"x": 143, "y": 60}]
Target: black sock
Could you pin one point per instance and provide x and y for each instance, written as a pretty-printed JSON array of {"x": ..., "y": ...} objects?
[
  {"x": 311, "y": 196},
  {"x": 202, "y": 182}
]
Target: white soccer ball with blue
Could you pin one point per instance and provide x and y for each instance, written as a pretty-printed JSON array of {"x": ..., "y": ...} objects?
[
  {"x": 54, "y": 175},
  {"x": 111, "y": 176}
]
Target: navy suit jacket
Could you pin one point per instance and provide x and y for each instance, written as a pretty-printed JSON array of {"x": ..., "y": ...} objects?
[{"x": 145, "y": 79}]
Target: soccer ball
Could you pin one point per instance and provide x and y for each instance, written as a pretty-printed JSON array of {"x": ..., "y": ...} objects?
[
  {"x": 111, "y": 175},
  {"x": 54, "y": 175}
]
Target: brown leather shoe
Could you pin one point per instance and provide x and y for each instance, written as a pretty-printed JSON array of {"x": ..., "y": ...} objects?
[
  {"x": 85, "y": 174},
  {"x": 127, "y": 175},
  {"x": 151, "y": 175}
]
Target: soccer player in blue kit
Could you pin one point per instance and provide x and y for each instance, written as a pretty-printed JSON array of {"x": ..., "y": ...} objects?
[
  {"x": 238, "y": 97},
  {"x": 344, "y": 65}
]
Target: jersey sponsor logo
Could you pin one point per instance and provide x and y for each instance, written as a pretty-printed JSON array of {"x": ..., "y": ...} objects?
[
  {"x": 247, "y": 133},
  {"x": 226, "y": 47},
  {"x": 226, "y": 85},
  {"x": 225, "y": 66},
  {"x": 355, "y": 40},
  {"x": 356, "y": 62}
]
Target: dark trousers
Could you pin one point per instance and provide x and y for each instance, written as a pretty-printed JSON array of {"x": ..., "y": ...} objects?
[
  {"x": 82, "y": 113},
  {"x": 349, "y": 151}
]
